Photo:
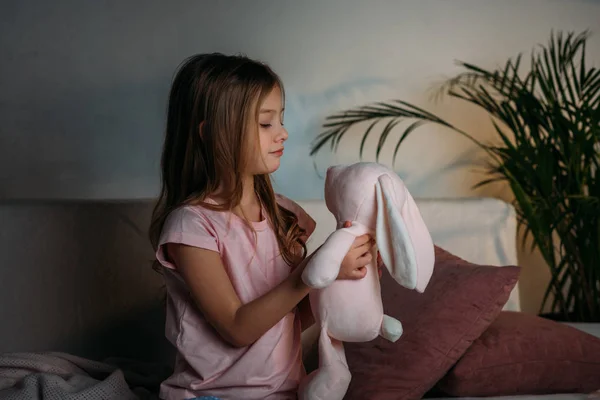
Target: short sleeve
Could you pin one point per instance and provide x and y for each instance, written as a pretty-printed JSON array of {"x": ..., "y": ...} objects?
[
  {"x": 304, "y": 220},
  {"x": 187, "y": 226}
]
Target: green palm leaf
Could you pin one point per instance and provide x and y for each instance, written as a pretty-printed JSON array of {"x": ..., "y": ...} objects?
[{"x": 547, "y": 122}]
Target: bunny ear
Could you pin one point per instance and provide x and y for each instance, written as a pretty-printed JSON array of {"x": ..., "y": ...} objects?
[
  {"x": 392, "y": 235},
  {"x": 324, "y": 265}
]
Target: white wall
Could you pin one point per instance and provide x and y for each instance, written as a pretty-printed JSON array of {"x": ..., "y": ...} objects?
[{"x": 84, "y": 84}]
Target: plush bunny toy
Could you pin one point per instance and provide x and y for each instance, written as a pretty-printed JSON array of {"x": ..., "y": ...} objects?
[{"x": 376, "y": 201}]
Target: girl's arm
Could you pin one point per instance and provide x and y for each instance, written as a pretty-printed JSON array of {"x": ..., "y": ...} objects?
[
  {"x": 305, "y": 313},
  {"x": 239, "y": 324},
  {"x": 243, "y": 324}
]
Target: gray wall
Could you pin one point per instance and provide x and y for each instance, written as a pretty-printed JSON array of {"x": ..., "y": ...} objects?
[{"x": 84, "y": 83}]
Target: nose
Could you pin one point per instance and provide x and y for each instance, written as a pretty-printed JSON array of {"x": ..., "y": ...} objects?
[{"x": 282, "y": 135}]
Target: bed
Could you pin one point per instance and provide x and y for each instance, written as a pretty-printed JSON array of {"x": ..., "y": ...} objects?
[{"x": 77, "y": 278}]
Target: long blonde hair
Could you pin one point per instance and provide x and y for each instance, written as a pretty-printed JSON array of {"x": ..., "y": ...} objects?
[{"x": 222, "y": 93}]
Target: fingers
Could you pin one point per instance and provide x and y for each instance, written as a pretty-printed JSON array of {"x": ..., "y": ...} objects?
[
  {"x": 362, "y": 250},
  {"x": 360, "y": 240},
  {"x": 359, "y": 273},
  {"x": 364, "y": 259},
  {"x": 360, "y": 253},
  {"x": 363, "y": 240},
  {"x": 361, "y": 262},
  {"x": 359, "y": 269}
]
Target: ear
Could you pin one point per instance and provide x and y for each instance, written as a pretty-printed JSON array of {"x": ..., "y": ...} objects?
[
  {"x": 324, "y": 265},
  {"x": 392, "y": 235}
]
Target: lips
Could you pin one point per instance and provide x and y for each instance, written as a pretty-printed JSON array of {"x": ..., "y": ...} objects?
[{"x": 277, "y": 152}]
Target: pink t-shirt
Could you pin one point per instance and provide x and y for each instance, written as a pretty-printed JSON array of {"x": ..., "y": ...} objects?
[{"x": 270, "y": 368}]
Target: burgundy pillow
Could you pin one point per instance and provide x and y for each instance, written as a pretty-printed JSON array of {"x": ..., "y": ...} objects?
[
  {"x": 460, "y": 302},
  {"x": 523, "y": 354}
]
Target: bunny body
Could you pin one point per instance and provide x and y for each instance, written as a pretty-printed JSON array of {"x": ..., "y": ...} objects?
[
  {"x": 328, "y": 308},
  {"x": 376, "y": 201}
]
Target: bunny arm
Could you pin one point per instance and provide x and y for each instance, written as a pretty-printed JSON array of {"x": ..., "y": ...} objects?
[{"x": 324, "y": 266}]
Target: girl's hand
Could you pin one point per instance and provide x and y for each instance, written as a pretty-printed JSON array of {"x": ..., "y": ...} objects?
[{"x": 358, "y": 257}]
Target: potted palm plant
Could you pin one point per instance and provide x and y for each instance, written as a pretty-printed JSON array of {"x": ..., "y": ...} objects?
[{"x": 547, "y": 120}]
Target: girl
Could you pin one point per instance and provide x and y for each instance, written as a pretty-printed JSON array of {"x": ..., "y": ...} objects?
[{"x": 231, "y": 250}]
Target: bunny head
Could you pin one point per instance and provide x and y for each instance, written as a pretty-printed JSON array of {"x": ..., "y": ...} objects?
[
  {"x": 372, "y": 195},
  {"x": 347, "y": 192}
]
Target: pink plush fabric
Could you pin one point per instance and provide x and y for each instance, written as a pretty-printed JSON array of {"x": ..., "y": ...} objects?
[{"x": 376, "y": 201}]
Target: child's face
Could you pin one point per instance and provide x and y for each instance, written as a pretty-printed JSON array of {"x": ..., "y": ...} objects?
[{"x": 271, "y": 135}]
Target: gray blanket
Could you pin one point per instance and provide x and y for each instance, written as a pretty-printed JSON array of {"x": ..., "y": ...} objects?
[{"x": 60, "y": 376}]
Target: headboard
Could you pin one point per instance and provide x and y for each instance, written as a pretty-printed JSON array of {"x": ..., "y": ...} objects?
[{"x": 77, "y": 277}]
